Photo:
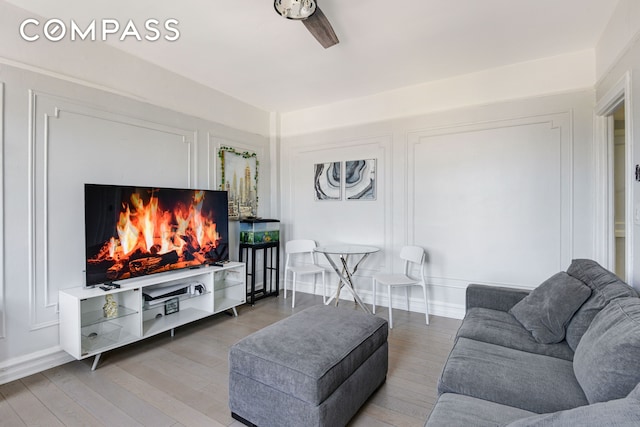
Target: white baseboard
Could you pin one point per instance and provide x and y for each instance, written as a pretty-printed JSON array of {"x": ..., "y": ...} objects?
[
  {"x": 443, "y": 309},
  {"x": 20, "y": 367},
  {"x": 436, "y": 308}
]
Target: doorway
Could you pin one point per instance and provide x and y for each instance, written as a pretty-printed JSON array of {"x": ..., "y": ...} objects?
[
  {"x": 619, "y": 192},
  {"x": 614, "y": 215}
]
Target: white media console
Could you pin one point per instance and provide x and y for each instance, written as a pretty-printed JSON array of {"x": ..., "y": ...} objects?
[{"x": 85, "y": 329}]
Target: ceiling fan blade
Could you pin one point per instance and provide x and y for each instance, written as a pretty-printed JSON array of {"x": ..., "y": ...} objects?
[{"x": 319, "y": 26}]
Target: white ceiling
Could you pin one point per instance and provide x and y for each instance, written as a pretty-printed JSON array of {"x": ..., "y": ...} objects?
[{"x": 244, "y": 49}]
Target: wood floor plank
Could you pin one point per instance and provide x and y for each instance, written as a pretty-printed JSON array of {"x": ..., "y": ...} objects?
[
  {"x": 27, "y": 405},
  {"x": 387, "y": 398},
  {"x": 158, "y": 378},
  {"x": 389, "y": 416},
  {"x": 159, "y": 398},
  {"x": 61, "y": 405},
  {"x": 183, "y": 369},
  {"x": 89, "y": 399},
  {"x": 8, "y": 416},
  {"x": 202, "y": 353},
  {"x": 183, "y": 380},
  {"x": 364, "y": 420},
  {"x": 136, "y": 408}
]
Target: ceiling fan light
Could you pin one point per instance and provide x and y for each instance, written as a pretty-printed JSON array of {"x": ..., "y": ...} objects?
[{"x": 295, "y": 9}]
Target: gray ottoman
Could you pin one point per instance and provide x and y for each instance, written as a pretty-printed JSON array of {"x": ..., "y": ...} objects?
[{"x": 314, "y": 368}]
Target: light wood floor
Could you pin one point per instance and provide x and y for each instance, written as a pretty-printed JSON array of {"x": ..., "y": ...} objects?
[{"x": 183, "y": 381}]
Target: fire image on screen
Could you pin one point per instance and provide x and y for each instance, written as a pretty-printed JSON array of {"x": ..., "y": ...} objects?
[{"x": 136, "y": 231}]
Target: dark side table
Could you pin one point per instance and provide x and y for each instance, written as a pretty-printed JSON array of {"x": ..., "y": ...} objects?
[{"x": 270, "y": 267}]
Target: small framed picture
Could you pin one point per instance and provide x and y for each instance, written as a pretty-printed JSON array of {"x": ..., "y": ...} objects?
[
  {"x": 360, "y": 179},
  {"x": 327, "y": 181},
  {"x": 172, "y": 306}
]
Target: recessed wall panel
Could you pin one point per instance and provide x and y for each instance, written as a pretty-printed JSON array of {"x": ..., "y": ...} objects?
[
  {"x": 365, "y": 222},
  {"x": 489, "y": 202},
  {"x": 73, "y": 144}
]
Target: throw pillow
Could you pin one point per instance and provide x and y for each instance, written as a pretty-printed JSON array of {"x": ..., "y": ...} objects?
[
  {"x": 546, "y": 311},
  {"x": 605, "y": 287},
  {"x": 606, "y": 362}
]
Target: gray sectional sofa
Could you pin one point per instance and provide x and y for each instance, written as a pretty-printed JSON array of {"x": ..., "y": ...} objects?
[{"x": 565, "y": 354}]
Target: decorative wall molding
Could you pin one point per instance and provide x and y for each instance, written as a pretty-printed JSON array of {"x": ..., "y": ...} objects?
[
  {"x": 43, "y": 109},
  {"x": 461, "y": 284},
  {"x": 416, "y": 303},
  {"x": 561, "y": 122}
]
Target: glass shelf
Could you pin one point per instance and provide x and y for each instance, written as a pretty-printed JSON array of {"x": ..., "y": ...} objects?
[
  {"x": 165, "y": 323},
  {"x": 160, "y": 302},
  {"x": 97, "y": 316},
  {"x": 228, "y": 283},
  {"x": 223, "y": 303}
]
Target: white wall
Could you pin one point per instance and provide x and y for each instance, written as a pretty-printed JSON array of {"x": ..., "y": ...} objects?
[
  {"x": 71, "y": 115},
  {"x": 496, "y": 194}
]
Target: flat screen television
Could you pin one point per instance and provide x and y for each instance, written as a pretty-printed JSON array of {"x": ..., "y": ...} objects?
[{"x": 136, "y": 231}]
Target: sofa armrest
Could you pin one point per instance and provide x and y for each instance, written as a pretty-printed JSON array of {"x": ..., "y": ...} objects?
[{"x": 494, "y": 297}]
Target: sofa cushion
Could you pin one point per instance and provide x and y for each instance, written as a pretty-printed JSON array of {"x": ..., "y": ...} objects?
[
  {"x": 528, "y": 381},
  {"x": 493, "y": 297},
  {"x": 546, "y": 311},
  {"x": 605, "y": 287},
  {"x": 459, "y": 410},
  {"x": 501, "y": 328},
  {"x": 618, "y": 412},
  {"x": 607, "y": 360}
]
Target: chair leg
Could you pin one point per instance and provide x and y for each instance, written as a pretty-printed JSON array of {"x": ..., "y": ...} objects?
[
  {"x": 285, "y": 284},
  {"x": 293, "y": 291},
  {"x": 315, "y": 276},
  {"x": 390, "y": 314},
  {"x": 373, "y": 289},
  {"x": 324, "y": 289},
  {"x": 406, "y": 295},
  {"x": 426, "y": 303}
]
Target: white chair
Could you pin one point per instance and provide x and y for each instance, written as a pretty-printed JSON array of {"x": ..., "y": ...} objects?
[
  {"x": 413, "y": 257},
  {"x": 296, "y": 251}
]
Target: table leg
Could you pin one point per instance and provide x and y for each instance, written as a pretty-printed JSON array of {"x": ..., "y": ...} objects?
[
  {"x": 335, "y": 268},
  {"x": 356, "y": 297},
  {"x": 346, "y": 280},
  {"x": 345, "y": 268}
]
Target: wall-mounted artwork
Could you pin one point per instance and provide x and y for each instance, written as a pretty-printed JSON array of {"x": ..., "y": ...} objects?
[
  {"x": 239, "y": 177},
  {"x": 360, "y": 179},
  {"x": 327, "y": 181}
]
